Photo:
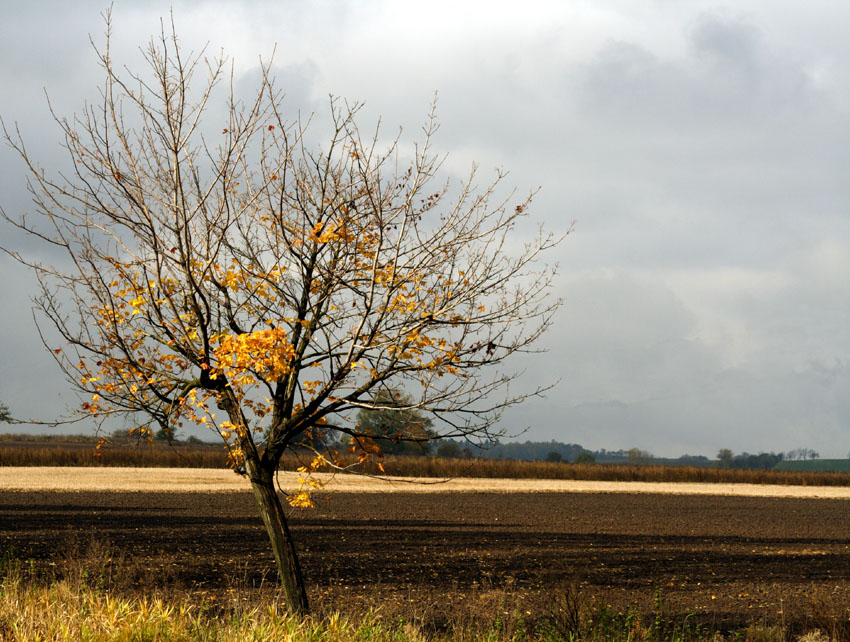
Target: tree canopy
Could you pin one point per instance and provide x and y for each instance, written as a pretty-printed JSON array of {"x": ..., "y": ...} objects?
[
  {"x": 396, "y": 425},
  {"x": 220, "y": 270}
]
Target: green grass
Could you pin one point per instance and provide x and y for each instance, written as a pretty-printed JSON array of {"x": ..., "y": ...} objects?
[{"x": 815, "y": 465}]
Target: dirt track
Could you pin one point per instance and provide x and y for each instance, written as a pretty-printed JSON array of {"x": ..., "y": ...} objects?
[{"x": 734, "y": 558}]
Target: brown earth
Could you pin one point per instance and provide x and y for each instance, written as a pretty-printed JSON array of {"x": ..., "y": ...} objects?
[{"x": 726, "y": 559}]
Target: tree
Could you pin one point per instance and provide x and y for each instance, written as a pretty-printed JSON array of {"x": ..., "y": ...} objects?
[
  {"x": 762, "y": 461},
  {"x": 449, "y": 449},
  {"x": 725, "y": 457},
  {"x": 164, "y": 434},
  {"x": 638, "y": 457},
  {"x": 231, "y": 275},
  {"x": 554, "y": 457},
  {"x": 396, "y": 425},
  {"x": 5, "y": 415},
  {"x": 801, "y": 454},
  {"x": 585, "y": 458}
]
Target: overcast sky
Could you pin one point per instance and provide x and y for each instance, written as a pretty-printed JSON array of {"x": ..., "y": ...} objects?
[{"x": 703, "y": 150}]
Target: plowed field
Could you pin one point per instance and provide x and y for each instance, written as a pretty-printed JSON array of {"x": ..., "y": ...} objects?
[{"x": 731, "y": 559}]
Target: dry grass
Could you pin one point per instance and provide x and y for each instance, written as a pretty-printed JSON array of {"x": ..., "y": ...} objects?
[
  {"x": 140, "y": 457},
  {"x": 16, "y": 450},
  {"x": 513, "y": 469},
  {"x": 85, "y": 599}
]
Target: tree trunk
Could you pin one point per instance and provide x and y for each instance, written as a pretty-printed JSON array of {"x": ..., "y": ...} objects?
[{"x": 271, "y": 510}]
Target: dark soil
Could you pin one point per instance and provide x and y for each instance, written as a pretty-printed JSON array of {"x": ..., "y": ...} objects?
[{"x": 726, "y": 559}]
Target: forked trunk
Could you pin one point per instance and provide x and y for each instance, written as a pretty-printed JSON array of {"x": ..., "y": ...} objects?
[{"x": 271, "y": 510}]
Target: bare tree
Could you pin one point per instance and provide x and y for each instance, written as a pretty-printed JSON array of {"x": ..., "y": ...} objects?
[
  {"x": 231, "y": 267},
  {"x": 801, "y": 454}
]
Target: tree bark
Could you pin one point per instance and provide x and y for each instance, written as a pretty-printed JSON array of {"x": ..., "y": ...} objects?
[{"x": 271, "y": 510}]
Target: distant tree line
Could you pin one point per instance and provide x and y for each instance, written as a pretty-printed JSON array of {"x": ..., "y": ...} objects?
[
  {"x": 398, "y": 428},
  {"x": 801, "y": 454},
  {"x": 763, "y": 461},
  {"x": 534, "y": 450},
  {"x": 557, "y": 452}
]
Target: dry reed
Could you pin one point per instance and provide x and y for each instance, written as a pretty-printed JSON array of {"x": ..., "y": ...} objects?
[{"x": 193, "y": 456}]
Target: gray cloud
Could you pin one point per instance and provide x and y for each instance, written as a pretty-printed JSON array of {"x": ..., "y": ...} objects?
[
  {"x": 698, "y": 362},
  {"x": 703, "y": 152}
]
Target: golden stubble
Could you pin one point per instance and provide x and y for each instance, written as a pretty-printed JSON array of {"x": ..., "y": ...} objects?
[{"x": 57, "y": 478}]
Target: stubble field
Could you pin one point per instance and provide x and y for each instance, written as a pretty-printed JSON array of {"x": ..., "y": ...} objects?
[{"x": 728, "y": 559}]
